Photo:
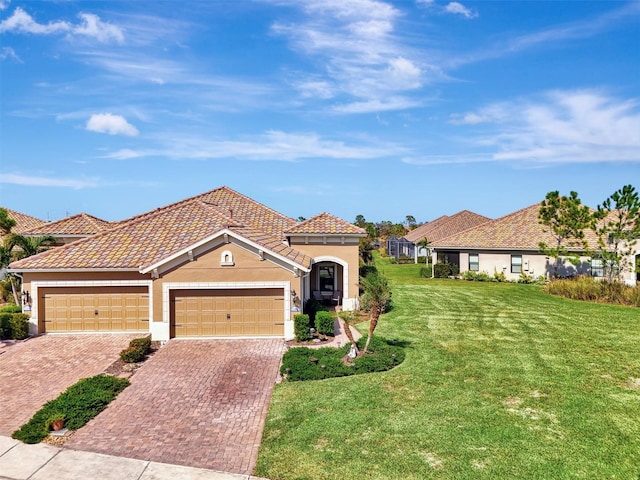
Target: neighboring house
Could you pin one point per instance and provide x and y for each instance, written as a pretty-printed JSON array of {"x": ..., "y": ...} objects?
[
  {"x": 23, "y": 222},
  {"x": 215, "y": 265},
  {"x": 439, "y": 228},
  {"x": 69, "y": 229},
  {"x": 510, "y": 245},
  {"x": 399, "y": 247}
]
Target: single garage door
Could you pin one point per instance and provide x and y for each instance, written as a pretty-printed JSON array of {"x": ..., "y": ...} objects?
[
  {"x": 228, "y": 313},
  {"x": 95, "y": 309}
]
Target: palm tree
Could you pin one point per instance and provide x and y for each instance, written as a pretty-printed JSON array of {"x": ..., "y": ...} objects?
[
  {"x": 424, "y": 243},
  {"x": 16, "y": 247},
  {"x": 375, "y": 299}
]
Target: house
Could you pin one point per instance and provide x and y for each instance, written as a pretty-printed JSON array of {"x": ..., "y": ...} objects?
[
  {"x": 69, "y": 229},
  {"x": 23, "y": 222},
  {"x": 215, "y": 265},
  {"x": 510, "y": 245},
  {"x": 439, "y": 228},
  {"x": 399, "y": 247}
]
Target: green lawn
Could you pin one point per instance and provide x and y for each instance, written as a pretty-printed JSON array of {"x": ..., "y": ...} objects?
[{"x": 500, "y": 381}]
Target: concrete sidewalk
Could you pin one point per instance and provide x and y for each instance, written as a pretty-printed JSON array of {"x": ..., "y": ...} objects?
[{"x": 19, "y": 461}]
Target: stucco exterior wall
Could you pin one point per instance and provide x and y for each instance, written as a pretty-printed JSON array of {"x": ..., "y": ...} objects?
[{"x": 347, "y": 253}]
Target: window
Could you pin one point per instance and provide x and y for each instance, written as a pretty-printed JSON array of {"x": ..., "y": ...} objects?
[
  {"x": 474, "y": 262},
  {"x": 516, "y": 263},
  {"x": 597, "y": 267},
  {"x": 325, "y": 278},
  {"x": 226, "y": 259}
]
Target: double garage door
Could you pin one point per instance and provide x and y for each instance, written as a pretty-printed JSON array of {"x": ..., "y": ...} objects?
[
  {"x": 95, "y": 309},
  {"x": 227, "y": 313}
]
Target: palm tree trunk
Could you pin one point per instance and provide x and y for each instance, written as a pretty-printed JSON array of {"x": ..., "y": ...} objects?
[
  {"x": 373, "y": 322},
  {"x": 13, "y": 290},
  {"x": 349, "y": 333}
]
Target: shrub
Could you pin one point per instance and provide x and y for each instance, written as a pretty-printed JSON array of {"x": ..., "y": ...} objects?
[
  {"x": 79, "y": 404},
  {"x": 422, "y": 259},
  {"x": 19, "y": 326},
  {"x": 14, "y": 325},
  {"x": 426, "y": 272},
  {"x": 301, "y": 327},
  {"x": 404, "y": 259},
  {"x": 5, "y": 326},
  {"x": 499, "y": 276},
  {"x": 444, "y": 270},
  {"x": 367, "y": 269},
  {"x": 11, "y": 309},
  {"x": 324, "y": 323},
  {"x": 589, "y": 289},
  {"x": 137, "y": 350},
  {"x": 303, "y": 363},
  {"x": 312, "y": 307}
]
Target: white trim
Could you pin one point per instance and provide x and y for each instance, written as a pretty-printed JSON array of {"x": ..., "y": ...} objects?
[
  {"x": 36, "y": 284},
  {"x": 175, "y": 259},
  {"x": 168, "y": 286},
  {"x": 345, "y": 271}
]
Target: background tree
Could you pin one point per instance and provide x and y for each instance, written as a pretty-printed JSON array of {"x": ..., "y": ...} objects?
[
  {"x": 16, "y": 247},
  {"x": 375, "y": 300},
  {"x": 566, "y": 219},
  {"x": 360, "y": 221},
  {"x": 6, "y": 222},
  {"x": 618, "y": 230},
  {"x": 411, "y": 222}
]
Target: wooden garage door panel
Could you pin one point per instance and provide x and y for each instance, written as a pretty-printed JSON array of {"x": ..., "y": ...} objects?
[
  {"x": 93, "y": 309},
  {"x": 223, "y": 313}
]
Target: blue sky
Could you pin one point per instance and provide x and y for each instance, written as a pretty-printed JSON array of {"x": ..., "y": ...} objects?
[{"x": 385, "y": 109}]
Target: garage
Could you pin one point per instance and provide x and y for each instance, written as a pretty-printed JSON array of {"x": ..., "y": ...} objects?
[
  {"x": 227, "y": 313},
  {"x": 94, "y": 309}
]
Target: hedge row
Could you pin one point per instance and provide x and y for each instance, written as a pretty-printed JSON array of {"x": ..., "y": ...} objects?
[{"x": 14, "y": 325}]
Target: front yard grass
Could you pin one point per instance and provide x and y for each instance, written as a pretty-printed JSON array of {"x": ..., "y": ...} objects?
[{"x": 499, "y": 381}]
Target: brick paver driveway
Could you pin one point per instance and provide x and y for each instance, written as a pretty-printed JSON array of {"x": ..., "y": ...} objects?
[
  {"x": 38, "y": 370},
  {"x": 201, "y": 403}
]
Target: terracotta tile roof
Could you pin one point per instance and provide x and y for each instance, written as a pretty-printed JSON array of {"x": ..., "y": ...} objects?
[
  {"x": 445, "y": 226},
  {"x": 80, "y": 224},
  {"x": 23, "y": 222},
  {"x": 152, "y": 237},
  {"x": 325, "y": 223},
  {"x": 519, "y": 230}
]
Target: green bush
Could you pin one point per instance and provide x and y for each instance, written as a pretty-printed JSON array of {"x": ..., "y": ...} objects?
[
  {"x": 499, "y": 276},
  {"x": 136, "y": 351},
  {"x": 444, "y": 270},
  {"x": 367, "y": 269},
  {"x": 5, "y": 326},
  {"x": 19, "y": 326},
  {"x": 312, "y": 307},
  {"x": 303, "y": 363},
  {"x": 301, "y": 327},
  {"x": 426, "y": 272},
  {"x": 14, "y": 325},
  {"x": 79, "y": 403},
  {"x": 11, "y": 309},
  {"x": 324, "y": 323},
  {"x": 477, "y": 276}
]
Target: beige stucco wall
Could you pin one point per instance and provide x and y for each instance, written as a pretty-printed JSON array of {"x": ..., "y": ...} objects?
[
  {"x": 347, "y": 253},
  {"x": 533, "y": 264},
  {"x": 207, "y": 268}
]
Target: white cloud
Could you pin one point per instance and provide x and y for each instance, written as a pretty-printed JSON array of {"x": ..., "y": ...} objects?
[
  {"x": 582, "y": 126},
  {"x": 111, "y": 124},
  {"x": 22, "y": 22},
  {"x": 459, "y": 9},
  {"x": 35, "y": 181},
  {"x": 90, "y": 26},
  {"x": 4, "y": 4},
  {"x": 363, "y": 61},
  {"x": 8, "y": 52},
  {"x": 271, "y": 145}
]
